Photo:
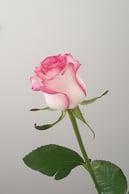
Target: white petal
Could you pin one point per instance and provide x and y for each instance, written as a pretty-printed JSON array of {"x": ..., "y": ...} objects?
[{"x": 57, "y": 101}]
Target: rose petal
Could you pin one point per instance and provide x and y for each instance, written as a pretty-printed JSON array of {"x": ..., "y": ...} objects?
[
  {"x": 57, "y": 101},
  {"x": 36, "y": 83},
  {"x": 68, "y": 84},
  {"x": 70, "y": 59}
]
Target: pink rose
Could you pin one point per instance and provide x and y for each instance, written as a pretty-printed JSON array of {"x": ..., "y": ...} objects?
[{"x": 57, "y": 77}]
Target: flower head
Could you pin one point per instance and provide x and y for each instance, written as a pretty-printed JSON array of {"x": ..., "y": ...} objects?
[{"x": 56, "y": 77}]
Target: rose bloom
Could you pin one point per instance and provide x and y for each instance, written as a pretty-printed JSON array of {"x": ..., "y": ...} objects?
[{"x": 57, "y": 78}]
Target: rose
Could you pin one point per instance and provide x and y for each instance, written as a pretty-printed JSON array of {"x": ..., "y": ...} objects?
[{"x": 57, "y": 77}]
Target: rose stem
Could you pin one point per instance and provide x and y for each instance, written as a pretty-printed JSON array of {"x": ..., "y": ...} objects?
[{"x": 82, "y": 148}]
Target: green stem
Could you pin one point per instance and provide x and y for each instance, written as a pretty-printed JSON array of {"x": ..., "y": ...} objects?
[{"x": 82, "y": 148}]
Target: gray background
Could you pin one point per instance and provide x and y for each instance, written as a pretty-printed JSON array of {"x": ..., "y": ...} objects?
[{"x": 96, "y": 32}]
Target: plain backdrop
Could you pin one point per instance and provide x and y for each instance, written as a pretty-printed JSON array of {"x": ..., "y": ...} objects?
[{"x": 96, "y": 32}]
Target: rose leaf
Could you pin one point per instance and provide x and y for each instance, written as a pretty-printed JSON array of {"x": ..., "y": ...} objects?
[
  {"x": 109, "y": 177},
  {"x": 53, "y": 160}
]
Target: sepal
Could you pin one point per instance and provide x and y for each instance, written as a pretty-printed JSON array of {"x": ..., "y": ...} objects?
[
  {"x": 90, "y": 101},
  {"x": 38, "y": 109},
  {"x": 78, "y": 114},
  {"x": 49, "y": 125}
]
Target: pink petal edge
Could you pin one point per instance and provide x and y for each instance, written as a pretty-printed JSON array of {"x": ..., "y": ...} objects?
[{"x": 81, "y": 86}]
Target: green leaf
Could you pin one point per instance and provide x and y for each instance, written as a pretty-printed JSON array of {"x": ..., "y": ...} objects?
[
  {"x": 86, "y": 102},
  {"x": 53, "y": 160},
  {"x": 78, "y": 114},
  {"x": 110, "y": 177},
  {"x": 46, "y": 126}
]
